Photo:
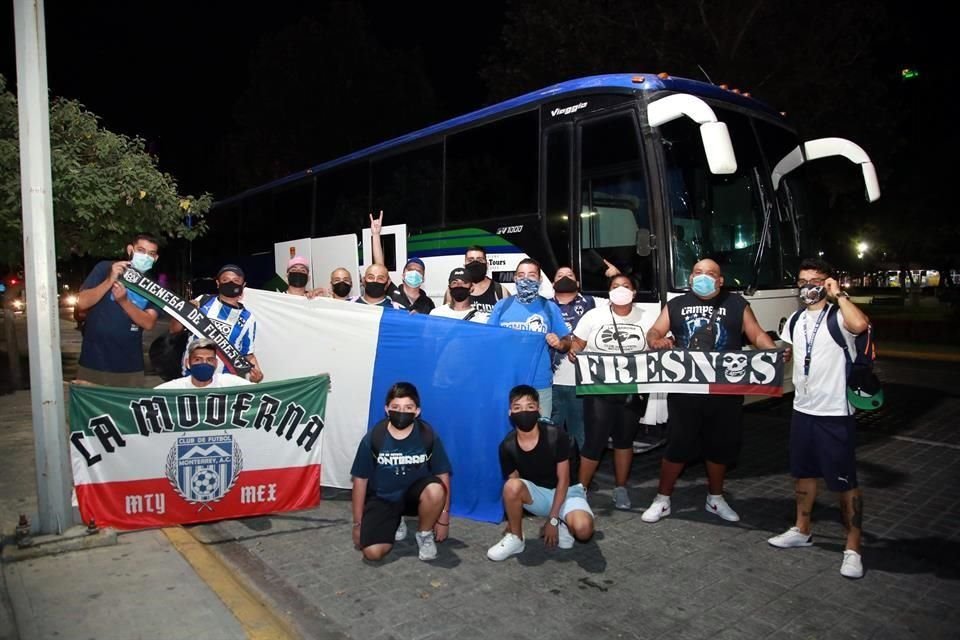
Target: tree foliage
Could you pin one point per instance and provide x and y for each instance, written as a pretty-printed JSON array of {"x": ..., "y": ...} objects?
[{"x": 106, "y": 187}]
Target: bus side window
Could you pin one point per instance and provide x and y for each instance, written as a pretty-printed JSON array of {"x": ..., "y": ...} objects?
[{"x": 408, "y": 188}]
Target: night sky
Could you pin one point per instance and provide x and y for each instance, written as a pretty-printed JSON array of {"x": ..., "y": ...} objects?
[{"x": 172, "y": 73}]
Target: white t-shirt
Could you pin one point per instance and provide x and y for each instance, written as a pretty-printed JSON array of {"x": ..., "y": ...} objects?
[
  {"x": 597, "y": 328},
  {"x": 444, "y": 311},
  {"x": 219, "y": 380},
  {"x": 824, "y": 393}
]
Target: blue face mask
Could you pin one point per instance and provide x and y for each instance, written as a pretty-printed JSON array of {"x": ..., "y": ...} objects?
[
  {"x": 141, "y": 262},
  {"x": 704, "y": 285},
  {"x": 413, "y": 278},
  {"x": 527, "y": 289},
  {"x": 202, "y": 371}
]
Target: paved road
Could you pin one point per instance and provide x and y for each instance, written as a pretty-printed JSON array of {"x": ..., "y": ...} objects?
[{"x": 689, "y": 576}]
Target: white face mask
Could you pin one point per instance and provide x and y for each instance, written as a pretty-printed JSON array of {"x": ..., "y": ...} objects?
[{"x": 621, "y": 296}]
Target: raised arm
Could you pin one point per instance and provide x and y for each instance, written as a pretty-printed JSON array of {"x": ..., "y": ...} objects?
[{"x": 376, "y": 226}]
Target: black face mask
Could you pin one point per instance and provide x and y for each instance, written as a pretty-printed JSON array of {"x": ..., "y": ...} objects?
[
  {"x": 401, "y": 419},
  {"x": 230, "y": 289},
  {"x": 525, "y": 420},
  {"x": 476, "y": 271},
  {"x": 565, "y": 285},
  {"x": 375, "y": 289},
  {"x": 297, "y": 279},
  {"x": 459, "y": 293},
  {"x": 342, "y": 289}
]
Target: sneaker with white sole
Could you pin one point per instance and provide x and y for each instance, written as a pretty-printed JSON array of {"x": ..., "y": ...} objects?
[
  {"x": 426, "y": 544},
  {"x": 621, "y": 499},
  {"x": 660, "y": 508},
  {"x": 509, "y": 545},
  {"x": 401, "y": 533},
  {"x": 565, "y": 539},
  {"x": 852, "y": 566},
  {"x": 790, "y": 538},
  {"x": 718, "y": 506}
]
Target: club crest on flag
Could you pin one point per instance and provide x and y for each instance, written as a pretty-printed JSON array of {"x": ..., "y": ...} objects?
[{"x": 203, "y": 469}]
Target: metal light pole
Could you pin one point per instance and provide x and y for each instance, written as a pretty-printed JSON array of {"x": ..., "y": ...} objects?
[{"x": 43, "y": 325}]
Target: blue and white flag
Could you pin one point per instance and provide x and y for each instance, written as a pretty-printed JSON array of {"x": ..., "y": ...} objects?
[{"x": 464, "y": 372}]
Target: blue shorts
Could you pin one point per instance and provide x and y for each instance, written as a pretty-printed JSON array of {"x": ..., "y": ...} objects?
[
  {"x": 543, "y": 500},
  {"x": 824, "y": 447}
]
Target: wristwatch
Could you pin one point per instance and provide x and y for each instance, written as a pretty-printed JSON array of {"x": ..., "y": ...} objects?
[
  {"x": 554, "y": 521},
  {"x": 842, "y": 294}
]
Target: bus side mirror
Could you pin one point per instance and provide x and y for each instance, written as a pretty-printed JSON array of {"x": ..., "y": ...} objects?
[
  {"x": 716, "y": 138},
  {"x": 645, "y": 242},
  {"x": 718, "y": 148},
  {"x": 827, "y": 148}
]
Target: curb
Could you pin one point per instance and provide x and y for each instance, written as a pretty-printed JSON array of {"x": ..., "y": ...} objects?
[
  {"x": 918, "y": 355},
  {"x": 257, "y": 620}
]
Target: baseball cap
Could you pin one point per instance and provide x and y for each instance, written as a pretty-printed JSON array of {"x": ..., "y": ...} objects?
[
  {"x": 202, "y": 343},
  {"x": 231, "y": 267},
  {"x": 416, "y": 261},
  {"x": 459, "y": 274},
  {"x": 295, "y": 260},
  {"x": 863, "y": 389}
]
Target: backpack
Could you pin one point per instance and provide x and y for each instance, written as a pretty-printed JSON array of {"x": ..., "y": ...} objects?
[
  {"x": 552, "y": 432},
  {"x": 863, "y": 387}
]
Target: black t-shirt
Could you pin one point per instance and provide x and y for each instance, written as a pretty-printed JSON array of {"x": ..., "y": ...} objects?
[
  {"x": 423, "y": 304},
  {"x": 485, "y": 302},
  {"x": 539, "y": 466},
  {"x": 689, "y": 313}
]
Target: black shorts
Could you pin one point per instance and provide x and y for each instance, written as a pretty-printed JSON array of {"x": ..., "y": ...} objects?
[
  {"x": 609, "y": 417},
  {"x": 824, "y": 447},
  {"x": 382, "y": 517},
  {"x": 704, "y": 425}
]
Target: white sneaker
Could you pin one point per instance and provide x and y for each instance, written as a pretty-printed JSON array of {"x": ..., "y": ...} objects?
[
  {"x": 790, "y": 538},
  {"x": 427, "y": 545},
  {"x": 718, "y": 506},
  {"x": 509, "y": 545},
  {"x": 852, "y": 566},
  {"x": 565, "y": 539},
  {"x": 621, "y": 499},
  {"x": 401, "y": 533},
  {"x": 660, "y": 508}
]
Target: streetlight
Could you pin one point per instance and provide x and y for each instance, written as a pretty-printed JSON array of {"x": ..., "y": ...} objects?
[{"x": 862, "y": 248}]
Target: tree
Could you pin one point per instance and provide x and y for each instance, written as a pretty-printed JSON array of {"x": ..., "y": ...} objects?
[{"x": 106, "y": 187}]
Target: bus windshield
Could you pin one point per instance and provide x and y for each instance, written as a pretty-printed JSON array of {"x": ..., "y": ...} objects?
[{"x": 724, "y": 217}]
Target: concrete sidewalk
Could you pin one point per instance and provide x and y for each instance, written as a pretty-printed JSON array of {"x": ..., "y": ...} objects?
[
  {"x": 146, "y": 586},
  {"x": 690, "y": 576}
]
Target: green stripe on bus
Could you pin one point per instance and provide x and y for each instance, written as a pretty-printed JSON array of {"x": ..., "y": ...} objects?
[
  {"x": 455, "y": 243},
  {"x": 452, "y": 233}
]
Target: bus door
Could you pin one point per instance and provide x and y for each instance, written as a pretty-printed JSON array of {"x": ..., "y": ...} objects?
[{"x": 612, "y": 204}]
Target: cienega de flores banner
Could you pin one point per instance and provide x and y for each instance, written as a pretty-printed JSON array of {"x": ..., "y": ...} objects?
[
  {"x": 159, "y": 457},
  {"x": 758, "y": 372},
  {"x": 189, "y": 316}
]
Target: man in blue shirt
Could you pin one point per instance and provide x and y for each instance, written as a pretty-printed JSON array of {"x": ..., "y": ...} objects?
[
  {"x": 401, "y": 468},
  {"x": 530, "y": 311},
  {"x": 112, "y": 350}
]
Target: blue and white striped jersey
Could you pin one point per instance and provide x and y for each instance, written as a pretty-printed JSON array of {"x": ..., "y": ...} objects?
[{"x": 237, "y": 323}]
